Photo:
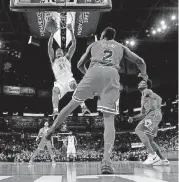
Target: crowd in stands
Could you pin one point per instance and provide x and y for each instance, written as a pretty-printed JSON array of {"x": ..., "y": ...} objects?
[{"x": 89, "y": 147}]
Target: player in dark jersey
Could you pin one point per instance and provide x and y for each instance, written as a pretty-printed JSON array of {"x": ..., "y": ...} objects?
[
  {"x": 149, "y": 118},
  {"x": 102, "y": 78}
]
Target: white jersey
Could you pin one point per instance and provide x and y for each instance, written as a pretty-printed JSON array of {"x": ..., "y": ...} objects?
[
  {"x": 62, "y": 68},
  {"x": 71, "y": 140}
]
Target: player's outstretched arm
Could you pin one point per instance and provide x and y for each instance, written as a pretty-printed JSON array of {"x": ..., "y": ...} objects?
[
  {"x": 137, "y": 60},
  {"x": 39, "y": 135},
  {"x": 50, "y": 49},
  {"x": 72, "y": 48},
  {"x": 84, "y": 60}
]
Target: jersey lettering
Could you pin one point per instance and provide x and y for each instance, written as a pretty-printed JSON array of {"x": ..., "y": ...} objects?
[
  {"x": 62, "y": 66},
  {"x": 107, "y": 55}
]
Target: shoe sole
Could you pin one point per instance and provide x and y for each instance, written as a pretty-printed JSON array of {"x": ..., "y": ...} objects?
[
  {"x": 151, "y": 163},
  {"x": 107, "y": 171}
]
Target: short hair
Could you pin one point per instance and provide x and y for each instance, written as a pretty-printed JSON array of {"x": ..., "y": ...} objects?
[
  {"x": 109, "y": 33},
  {"x": 149, "y": 83}
]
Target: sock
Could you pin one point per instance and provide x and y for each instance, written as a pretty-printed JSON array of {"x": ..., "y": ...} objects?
[
  {"x": 109, "y": 136},
  {"x": 83, "y": 104},
  {"x": 55, "y": 109},
  {"x": 145, "y": 140}
]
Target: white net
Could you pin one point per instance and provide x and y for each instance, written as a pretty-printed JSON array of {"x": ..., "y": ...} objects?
[{"x": 62, "y": 22}]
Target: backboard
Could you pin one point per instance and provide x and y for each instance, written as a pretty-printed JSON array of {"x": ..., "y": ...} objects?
[{"x": 60, "y": 5}]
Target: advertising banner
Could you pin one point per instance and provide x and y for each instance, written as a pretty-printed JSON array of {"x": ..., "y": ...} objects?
[
  {"x": 27, "y": 91},
  {"x": 137, "y": 145},
  {"x": 86, "y": 22},
  {"x": 11, "y": 90},
  {"x": 23, "y": 122}
]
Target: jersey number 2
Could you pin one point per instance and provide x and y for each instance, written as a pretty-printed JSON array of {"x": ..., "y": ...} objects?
[{"x": 107, "y": 55}]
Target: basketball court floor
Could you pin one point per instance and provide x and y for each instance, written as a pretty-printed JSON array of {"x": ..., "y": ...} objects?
[{"x": 87, "y": 172}]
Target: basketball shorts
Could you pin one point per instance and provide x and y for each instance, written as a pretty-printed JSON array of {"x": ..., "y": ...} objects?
[
  {"x": 150, "y": 123},
  {"x": 44, "y": 143},
  {"x": 65, "y": 85},
  {"x": 102, "y": 81},
  {"x": 71, "y": 151}
]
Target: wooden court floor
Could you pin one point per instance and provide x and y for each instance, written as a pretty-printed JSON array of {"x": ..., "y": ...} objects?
[{"x": 86, "y": 172}]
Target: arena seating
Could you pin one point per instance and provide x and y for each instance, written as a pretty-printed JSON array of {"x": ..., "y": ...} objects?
[{"x": 16, "y": 149}]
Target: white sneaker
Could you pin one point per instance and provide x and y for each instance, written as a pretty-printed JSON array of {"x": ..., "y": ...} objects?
[
  {"x": 53, "y": 163},
  {"x": 164, "y": 162},
  {"x": 30, "y": 162},
  {"x": 151, "y": 159}
]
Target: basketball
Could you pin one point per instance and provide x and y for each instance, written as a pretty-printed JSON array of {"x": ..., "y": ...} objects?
[{"x": 51, "y": 25}]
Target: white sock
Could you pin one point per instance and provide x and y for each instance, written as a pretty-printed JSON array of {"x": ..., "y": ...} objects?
[
  {"x": 83, "y": 104},
  {"x": 55, "y": 109}
]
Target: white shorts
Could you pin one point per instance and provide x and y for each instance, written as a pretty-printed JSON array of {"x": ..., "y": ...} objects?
[
  {"x": 71, "y": 151},
  {"x": 65, "y": 85}
]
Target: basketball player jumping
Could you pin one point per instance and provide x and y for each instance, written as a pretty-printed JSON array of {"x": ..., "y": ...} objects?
[
  {"x": 71, "y": 143},
  {"x": 44, "y": 142},
  {"x": 61, "y": 66},
  {"x": 102, "y": 78},
  {"x": 149, "y": 118}
]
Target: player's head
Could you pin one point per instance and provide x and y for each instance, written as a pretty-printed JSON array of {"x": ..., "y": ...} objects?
[
  {"x": 108, "y": 34},
  {"x": 59, "y": 53},
  {"x": 145, "y": 84},
  {"x": 46, "y": 124},
  {"x": 70, "y": 133}
]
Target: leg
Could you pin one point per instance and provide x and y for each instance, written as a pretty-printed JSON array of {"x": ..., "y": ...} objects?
[
  {"x": 155, "y": 147},
  {"x": 72, "y": 85},
  {"x": 52, "y": 155},
  {"x": 55, "y": 98},
  {"x": 143, "y": 129},
  {"x": 34, "y": 155},
  {"x": 65, "y": 112},
  {"x": 109, "y": 135},
  {"x": 144, "y": 138}
]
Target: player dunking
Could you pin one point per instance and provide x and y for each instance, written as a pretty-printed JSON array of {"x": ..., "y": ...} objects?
[
  {"x": 44, "y": 142},
  {"x": 149, "y": 118},
  {"x": 61, "y": 66},
  {"x": 102, "y": 78},
  {"x": 71, "y": 143}
]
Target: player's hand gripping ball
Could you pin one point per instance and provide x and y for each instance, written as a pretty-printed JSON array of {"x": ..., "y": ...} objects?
[{"x": 51, "y": 25}]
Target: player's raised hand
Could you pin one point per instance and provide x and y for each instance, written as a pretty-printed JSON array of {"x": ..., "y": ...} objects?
[
  {"x": 144, "y": 76},
  {"x": 130, "y": 120}
]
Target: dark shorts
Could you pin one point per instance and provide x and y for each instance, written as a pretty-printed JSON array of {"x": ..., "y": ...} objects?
[
  {"x": 150, "y": 123},
  {"x": 102, "y": 81}
]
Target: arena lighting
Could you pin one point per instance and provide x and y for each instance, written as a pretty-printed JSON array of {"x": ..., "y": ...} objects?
[
  {"x": 173, "y": 17},
  {"x": 154, "y": 32},
  {"x": 127, "y": 41},
  {"x": 162, "y": 22},
  {"x": 132, "y": 42},
  {"x": 159, "y": 30},
  {"x": 164, "y": 27}
]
